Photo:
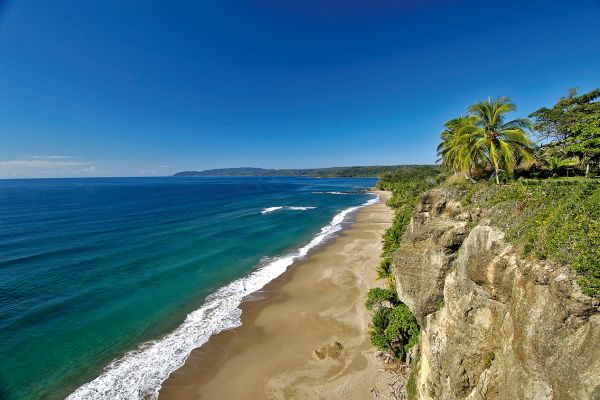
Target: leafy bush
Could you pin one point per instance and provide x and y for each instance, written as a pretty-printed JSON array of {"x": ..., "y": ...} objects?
[
  {"x": 393, "y": 327},
  {"x": 379, "y": 323},
  {"x": 402, "y": 330}
]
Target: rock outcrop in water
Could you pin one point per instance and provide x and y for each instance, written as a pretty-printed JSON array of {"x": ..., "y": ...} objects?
[{"x": 493, "y": 324}]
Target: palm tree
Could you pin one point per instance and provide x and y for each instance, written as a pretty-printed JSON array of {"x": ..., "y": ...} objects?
[
  {"x": 483, "y": 137},
  {"x": 502, "y": 141},
  {"x": 455, "y": 152},
  {"x": 384, "y": 271}
]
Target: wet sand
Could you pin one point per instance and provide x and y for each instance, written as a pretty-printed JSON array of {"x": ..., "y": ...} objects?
[{"x": 318, "y": 302}]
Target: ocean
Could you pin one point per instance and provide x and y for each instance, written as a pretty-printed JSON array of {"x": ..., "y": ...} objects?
[{"x": 107, "y": 284}]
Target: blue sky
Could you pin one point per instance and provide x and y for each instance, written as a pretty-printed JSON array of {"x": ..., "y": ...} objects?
[{"x": 121, "y": 88}]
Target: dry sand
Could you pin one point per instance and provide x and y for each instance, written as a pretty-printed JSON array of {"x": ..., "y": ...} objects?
[{"x": 318, "y": 302}]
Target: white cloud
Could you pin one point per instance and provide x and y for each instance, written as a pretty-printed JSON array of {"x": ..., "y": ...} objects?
[
  {"x": 44, "y": 168},
  {"x": 42, "y": 164},
  {"x": 53, "y": 157}
]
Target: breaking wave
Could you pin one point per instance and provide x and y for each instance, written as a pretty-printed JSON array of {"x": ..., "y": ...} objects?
[
  {"x": 341, "y": 193},
  {"x": 277, "y": 208},
  {"x": 140, "y": 373}
]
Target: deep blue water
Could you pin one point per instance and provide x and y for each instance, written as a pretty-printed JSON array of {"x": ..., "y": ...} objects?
[{"x": 92, "y": 268}]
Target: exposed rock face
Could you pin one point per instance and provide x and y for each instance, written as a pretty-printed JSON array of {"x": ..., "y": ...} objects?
[
  {"x": 428, "y": 249},
  {"x": 493, "y": 325}
]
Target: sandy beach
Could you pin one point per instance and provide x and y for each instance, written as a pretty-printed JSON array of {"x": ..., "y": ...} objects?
[{"x": 314, "y": 310}]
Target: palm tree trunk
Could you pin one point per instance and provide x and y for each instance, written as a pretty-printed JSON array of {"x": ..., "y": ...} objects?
[
  {"x": 587, "y": 170},
  {"x": 494, "y": 160},
  {"x": 496, "y": 171}
]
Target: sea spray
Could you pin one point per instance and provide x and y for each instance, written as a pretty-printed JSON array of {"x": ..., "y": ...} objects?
[{"x": 140, "y": 373}]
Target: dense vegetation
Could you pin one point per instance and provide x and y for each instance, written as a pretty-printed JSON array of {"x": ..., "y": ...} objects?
[
  {"x": 333, "y": 172},
  {"x": 570, "y": 131},
  {"x": 483, "y": 143},
  {"x": 393, "y": 327}
]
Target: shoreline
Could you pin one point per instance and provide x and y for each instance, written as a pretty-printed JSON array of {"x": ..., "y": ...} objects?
[
  {"x": 315, "y": 309},
  {"x": 143, "y": 371}
]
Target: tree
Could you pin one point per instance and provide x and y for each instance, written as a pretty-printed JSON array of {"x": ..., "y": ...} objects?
[
  {"x": 572, "y": 126},
  {"x": 503, "y": 142},
  {"x": 377, "y": 327},
  {"x": 454, "y": 151},
  {"x": 484, "y": 138},
  {"x": 384, "y": 271}
]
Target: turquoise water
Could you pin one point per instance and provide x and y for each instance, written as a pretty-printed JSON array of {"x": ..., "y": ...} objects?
[{"x": 90, "y": 269}]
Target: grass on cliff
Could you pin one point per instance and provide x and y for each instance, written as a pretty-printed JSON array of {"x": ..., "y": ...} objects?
[
  {"x": 411, "y": 384},
  {"x": 558, "y": 220}
]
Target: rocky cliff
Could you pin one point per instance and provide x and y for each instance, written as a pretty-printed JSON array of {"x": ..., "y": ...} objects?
[{"x": 493, "y": 324}]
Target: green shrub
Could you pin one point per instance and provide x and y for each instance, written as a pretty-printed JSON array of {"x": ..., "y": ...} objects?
[
  {"x": 489, "y": 359},
  {"x": 393, "y": 327},
  {"x": 379, "y": 323},
  {"x": 402, "y": 330},
  {"x": 378, "y": 298}
]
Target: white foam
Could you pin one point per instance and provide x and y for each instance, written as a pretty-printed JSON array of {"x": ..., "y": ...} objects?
[
  {"x": 270, "y": 209},
  {"x": 140, "y": 373},
  {"x": 277, "y": 208},
  {"x": 336, "y": 193}
]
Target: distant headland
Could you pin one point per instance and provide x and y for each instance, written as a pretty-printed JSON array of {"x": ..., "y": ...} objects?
[{"x": 331, "y": 172}]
